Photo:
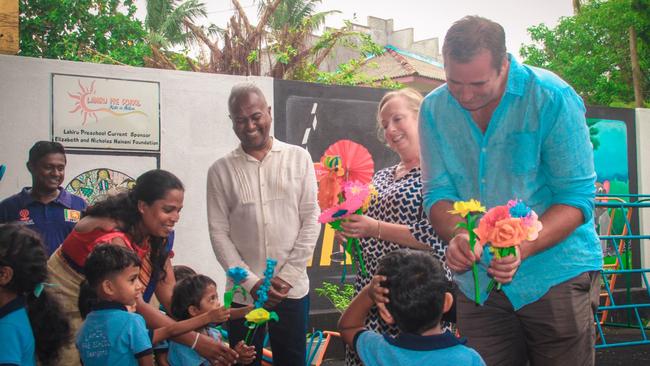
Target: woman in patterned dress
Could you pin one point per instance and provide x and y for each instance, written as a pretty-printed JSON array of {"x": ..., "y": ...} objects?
[{"x": 396, "y": 219}]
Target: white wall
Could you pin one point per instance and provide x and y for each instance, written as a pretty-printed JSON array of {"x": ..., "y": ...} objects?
[
  {"x": 195, "y": 131},
  {"x": 643, "y": 171}
]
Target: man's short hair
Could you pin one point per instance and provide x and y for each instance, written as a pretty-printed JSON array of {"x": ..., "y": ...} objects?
[
  {"x": 107, "y": 260},
  {"x": 241, "y": 90},
  {"x": 417, "y": 284},
  {"x": 472, "y": 34},
  {"x": 42, "y": 148}
]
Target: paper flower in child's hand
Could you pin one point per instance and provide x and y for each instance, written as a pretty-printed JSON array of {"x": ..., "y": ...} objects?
[
  {"x": 463, "y": 208},
  {"x": 237, "y": 274},
  {"x": 261, "y": 316}
]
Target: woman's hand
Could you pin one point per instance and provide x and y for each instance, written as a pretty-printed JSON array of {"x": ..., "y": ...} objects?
[
  {"x": 360, "y": 226},
  {"x": 216, "y": 352}
]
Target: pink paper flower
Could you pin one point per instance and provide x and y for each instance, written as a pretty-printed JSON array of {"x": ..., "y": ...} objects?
[{"x": 340, "y": 211}]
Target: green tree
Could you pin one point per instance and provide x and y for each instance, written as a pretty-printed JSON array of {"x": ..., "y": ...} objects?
[
  {"x": 104, "y": 31},
  {"x": 166, "y": 21},
  {"x": 590, "y": 50}
]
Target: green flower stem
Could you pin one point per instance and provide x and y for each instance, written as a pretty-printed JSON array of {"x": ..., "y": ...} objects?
[
  {"x": 249, "y": 334},
  {"x": 471, "y": 221}
]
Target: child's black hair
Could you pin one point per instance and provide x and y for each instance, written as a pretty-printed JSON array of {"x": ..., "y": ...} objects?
[
  {"x": 21, "y": 249},
  {"x": 182, "y": 272},
  {"x": 417, "y": 284},
  {"x": 104, "y": 261},
  {"x": 189, "y": 292},
  {"x": 107, "y": 260}
]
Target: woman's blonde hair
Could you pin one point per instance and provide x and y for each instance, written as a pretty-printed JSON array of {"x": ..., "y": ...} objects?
[{"x": 413, "y": 99}]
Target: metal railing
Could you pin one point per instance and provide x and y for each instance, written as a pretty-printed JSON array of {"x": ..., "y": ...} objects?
[{"x": 618, "y": 242}]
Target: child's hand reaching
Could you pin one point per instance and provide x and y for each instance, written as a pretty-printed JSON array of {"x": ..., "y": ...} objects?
[
  {"x": 219, "y": 315},
  {"x": 246, "y": 353},
  {"x": 379, "y": 296}
]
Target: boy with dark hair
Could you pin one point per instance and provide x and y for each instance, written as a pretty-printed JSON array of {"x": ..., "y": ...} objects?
[
  {"x": 45, "y": 207},
  {"x": 410, "y": 290},
  {"x": 110, "y": 334}
]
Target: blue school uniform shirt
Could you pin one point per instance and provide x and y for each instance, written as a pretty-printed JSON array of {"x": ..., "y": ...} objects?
[
  {"x": 536, "y": 148},
  {"x": 182, "y": 355},
  {"x": 17, "y": 344},
  {"x": 53, "y": 221},
  {"x": 112, "y": 336},
  {"x": 406, "y": 349}
]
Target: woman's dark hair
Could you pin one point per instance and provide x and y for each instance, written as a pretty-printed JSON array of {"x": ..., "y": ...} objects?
[
  {"x": 182, "y": 272},
  {"x": 42, "y": 148},
  {"x": 417, "y": 284},
  {"x": 123, "y": 207},
  {"x": 22, "y": 250},
  {"x": 189, "y": 292}
]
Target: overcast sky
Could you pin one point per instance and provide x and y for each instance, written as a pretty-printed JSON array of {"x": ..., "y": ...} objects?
[{"x": 428, "y": 18}]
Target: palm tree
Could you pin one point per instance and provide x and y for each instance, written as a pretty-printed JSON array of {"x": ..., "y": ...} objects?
[
  {"x": 289, "y": 38},
  {"x": 166, "y": 22}
]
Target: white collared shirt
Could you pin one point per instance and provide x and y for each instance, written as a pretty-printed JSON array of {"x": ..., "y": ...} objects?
[{"x": 265, "y": 209}]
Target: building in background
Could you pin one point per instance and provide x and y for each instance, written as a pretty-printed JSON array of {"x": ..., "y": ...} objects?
[{"x": 417, "y": 64}]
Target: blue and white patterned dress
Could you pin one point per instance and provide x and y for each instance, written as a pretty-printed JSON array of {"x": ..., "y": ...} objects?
[{"x": 399, "y": 202}]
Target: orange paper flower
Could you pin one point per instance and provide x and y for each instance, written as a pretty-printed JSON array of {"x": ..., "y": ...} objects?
[{"x": 507, "y": 233}]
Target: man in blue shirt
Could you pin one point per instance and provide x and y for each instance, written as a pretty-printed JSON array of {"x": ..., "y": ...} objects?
[
  {"x": 499, "y": 130},
  {"x": 45, "y": 207}
]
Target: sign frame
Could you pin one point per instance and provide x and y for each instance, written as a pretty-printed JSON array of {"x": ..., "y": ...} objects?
[{"x": 121, "y": 104}]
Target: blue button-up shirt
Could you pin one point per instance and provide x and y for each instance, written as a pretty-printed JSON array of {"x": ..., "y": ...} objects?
[
  {"x": 536, "y": 148},
  {"x": 53, "y": 221}
]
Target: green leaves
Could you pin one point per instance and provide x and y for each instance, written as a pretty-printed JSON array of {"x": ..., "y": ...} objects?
[
  {"x": 340, "y": 296},
  {"x": 103, "y": 31},
  {"x": 591, "y": 50}
]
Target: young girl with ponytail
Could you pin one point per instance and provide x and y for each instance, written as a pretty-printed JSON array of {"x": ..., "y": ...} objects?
[{"x": 32, "y": 323}]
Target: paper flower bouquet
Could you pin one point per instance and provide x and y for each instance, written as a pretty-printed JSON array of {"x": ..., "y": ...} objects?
[
  {"x": 506, "y": 227},
  {"x": 344, "y": 174}
]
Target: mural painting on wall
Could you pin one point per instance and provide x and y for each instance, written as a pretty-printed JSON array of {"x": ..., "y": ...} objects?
[
  {"x": 97, "y": 183},
  {"x": 609, "y": 139}
]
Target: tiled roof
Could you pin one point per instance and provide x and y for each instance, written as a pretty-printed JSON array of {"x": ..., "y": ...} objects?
[{"x": 395, "y": 63}]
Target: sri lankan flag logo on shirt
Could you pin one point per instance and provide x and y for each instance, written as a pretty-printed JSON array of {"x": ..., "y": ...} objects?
[{"x": 71, "y": 215}]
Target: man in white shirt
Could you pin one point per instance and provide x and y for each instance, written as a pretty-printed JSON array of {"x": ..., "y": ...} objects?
[{"x": 262, "y": 203}]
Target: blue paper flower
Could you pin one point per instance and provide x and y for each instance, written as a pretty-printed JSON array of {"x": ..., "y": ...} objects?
[
  {"x": 237, "y": 274},
  {"x": 519, "y": 210},
  {"x": 262, "y": 291}
]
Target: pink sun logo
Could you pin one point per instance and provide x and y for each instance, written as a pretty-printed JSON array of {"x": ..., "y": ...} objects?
[{"x": 81, "y": 103}]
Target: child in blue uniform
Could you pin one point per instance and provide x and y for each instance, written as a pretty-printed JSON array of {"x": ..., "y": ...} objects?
[
  {"x": 192, "y": 297},
  {"x": 111, "y": 334},
  {"x": 410, "y": 291},
  {"x": 32, "y": 322}
]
